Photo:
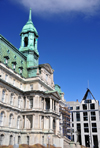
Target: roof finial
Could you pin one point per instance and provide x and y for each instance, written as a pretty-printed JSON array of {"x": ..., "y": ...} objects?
[{"x": 30, "y": 15}]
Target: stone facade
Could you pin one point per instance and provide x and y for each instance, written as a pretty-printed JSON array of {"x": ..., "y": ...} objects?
[{"x": 29, "y": 102}]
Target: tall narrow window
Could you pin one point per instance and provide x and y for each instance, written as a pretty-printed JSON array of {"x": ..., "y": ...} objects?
[
  {"x": 42, "y": 140},
  {"x": 77, "y": 116},
  {"x": 1, "y": 139},
  {"x": 94, "y": 127},
  {"x": 19, "y": 139},
  {"x": 10, "y": 120},
  {"x": 28, "y": 140},
  {"x": 11, "y": 99},
  {"x": 31, "y": 103},
  {"x": 85, "y": 116},
  {"x": 3, "y": 95},
  {"x": 19, "y": 101},
  {"x": 93, "y": 116},
  {"x": 84, "y": 106},
  {"x": 86, "y": 129},
  {"x": 11, "y": 140},
  {"x": 25, "y": 41},
  {"x": 18, "y": 122},
  {"x": 1, "y": 118},
  {"x": 6, "y": 77}
]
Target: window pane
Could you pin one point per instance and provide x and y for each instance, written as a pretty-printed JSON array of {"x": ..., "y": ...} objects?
[
  {"x": 92, "y": 106},
  {"x": 84, "y": 106}
]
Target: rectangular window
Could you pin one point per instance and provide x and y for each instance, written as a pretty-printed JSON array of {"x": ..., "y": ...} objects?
[
  {"x": 31, "y": 87},
  {"x": 20, "y": 85},
  {"x": 6, "y": 77},
  {"x": 77, "y": 116},
  {"x": 84, "y": 106},
  {"x": 86, "y": 129},
  {"x": 71, "y": 108},
  {"x": 79, "y": 127},
  {"x": 31, "y": 103},
  {"x": 77, "y": 107},
  {"x": 14, "y": 82},
  {"x": 94, "y": 127},
  {"x": 85, "y": 116},
  {"x": 92, "y": 106},
  {"x": 93, "y": 116}
]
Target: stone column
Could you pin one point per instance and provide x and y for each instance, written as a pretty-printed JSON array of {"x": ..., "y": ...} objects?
[
  {"x": 51, "y": 123},
  {"x": 1, "y": 89},
  {"x": 25, "y": 122},
  {"x": 33, "y": 122},
  {"x": 57, "y": 126},
  {"x": 44, "y": 122},
  {"x": 33, "y": 102},
  {"x": 58, "y": 107},
  {"x": 44, "y": 104},
  {"x": 53, "y": 104},
  {"x": 50, "y": 103},
  {"x": 26, "y": 102}
]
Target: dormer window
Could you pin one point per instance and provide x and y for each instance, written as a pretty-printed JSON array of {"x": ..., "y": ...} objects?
[
  {"x": 6, "y": 58},
  {"x": 25, "y": 41},
  {"x": 8, "y": 51},
  {"x": 14, "y": 65},
  {"x": 15, "y": 57},
  {"x": 20, "y": 70}
]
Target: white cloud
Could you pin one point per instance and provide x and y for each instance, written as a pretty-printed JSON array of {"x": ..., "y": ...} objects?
[{"x": 87, "y": 7}]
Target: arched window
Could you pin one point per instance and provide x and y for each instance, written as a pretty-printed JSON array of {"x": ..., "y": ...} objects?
[
  {"x": 1, "y": 118},
  {"x": 25, "y": 41},
  {"x": 54, "y": 126},
  {"x": 18, "y": 121},
  {"x": 19, "y": 139},
  {"x": 3, "y": 95},
  {"x": 10, "y": 120},
  {"x": 19, "y": 101},
  {"x": 11, "y": 140},
  {"x": 34, "y": 41},
  {"x": 1, "y": 139},
  {"x": 11, "y": 99}
]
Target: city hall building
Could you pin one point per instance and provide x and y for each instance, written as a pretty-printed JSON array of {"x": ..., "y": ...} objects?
[
  {"x": 29, "y": 102},
  {"x": 85, "y": 121}
]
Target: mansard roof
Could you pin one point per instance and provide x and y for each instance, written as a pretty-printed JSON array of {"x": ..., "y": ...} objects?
[
  {"x": 88, "y": 92},
  {"x": 10, "y": 52}
]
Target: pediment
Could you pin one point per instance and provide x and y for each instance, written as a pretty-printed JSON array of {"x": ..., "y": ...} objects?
[{"x": 47, "y": 67}]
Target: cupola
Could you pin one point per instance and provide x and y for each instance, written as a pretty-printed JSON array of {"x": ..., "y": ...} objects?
[{"x": 29, "y": 39}]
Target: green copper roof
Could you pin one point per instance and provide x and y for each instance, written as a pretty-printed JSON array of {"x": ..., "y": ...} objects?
[{"x": 29, "y": 27}]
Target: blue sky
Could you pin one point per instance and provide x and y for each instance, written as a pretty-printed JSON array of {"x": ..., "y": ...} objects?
[{"x": 69, "y": 39}]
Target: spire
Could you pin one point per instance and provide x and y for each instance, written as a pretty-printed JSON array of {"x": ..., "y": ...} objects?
[{"x": 30, "y": 15}]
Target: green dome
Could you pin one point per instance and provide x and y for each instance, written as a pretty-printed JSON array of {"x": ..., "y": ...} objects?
[{"x": 29, "y": 27}]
